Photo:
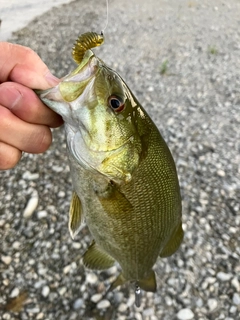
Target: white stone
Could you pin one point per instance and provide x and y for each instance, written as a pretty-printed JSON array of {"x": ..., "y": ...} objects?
[
  {"x": 103, "y": 304},
  {"x": 16, "y": 245},
  {"x": 33, "y": 310},
  {"x": 221, "y": 173},
  {"x": 62, "y": 291},
  {"x": 212, "y": 304},
  {"x": 39, "y": 284},
  {"x": 185, "y": 314},
  {"x": 76, "y": 245},
  {"x": 67, "y": 269},
  {"x": 236, "y": 298},
  {"x": 96, "y": 297},
  {"x": 30, "y": 176},
  {"x": 236, "y": 284},
  {"x": 45, "y": 291},
  {"x": 211, "y": 280},
  {"x": 233, "y": 309},
  {"x": 14, "y": 293},
  {"x": 91, "y": 278},
  {"x": 31, "y": 206},
  {"x": 138, "y": 316},
  {"x": 112, "y": 271},
  {"x": 148, "y": 312},
  {"x": 131, "y": 300},
  {"x": 122, "y": 307},
  {"x": 42, "y": 214},
  {"x": 222, "y": 276},
  {"x": 6, "y": 259}
]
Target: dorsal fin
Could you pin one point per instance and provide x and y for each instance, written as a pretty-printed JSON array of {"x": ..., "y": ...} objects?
[{"x": 85, "y": 42}]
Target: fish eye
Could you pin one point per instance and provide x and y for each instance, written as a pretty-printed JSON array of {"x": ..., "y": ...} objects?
[{"x": 116, "y": 103}]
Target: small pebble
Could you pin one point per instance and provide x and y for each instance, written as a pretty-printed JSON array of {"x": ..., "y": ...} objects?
[
  {"x": 103, "y": 304},
  {"x": 122, "y": 307},
  {"x": 222, "y": 276},
  {"x": 62, "y": 291},
  {"x": 14, "y": 293},
  {"x": 236, "y": 284},
  {"x": 31, "y": 206},
  {"x": 91, "y": 278},
  {"x": 96, "y": 297},
  {"x": 16, "y": 245},
  {"x": 212, "y": 304},
  {"x": 221, "y": 173},
  {"x": 33, "y": 310},
  {"x": 67, "y": 269},
  {"x": 6, "y": 259},
  {"x": 78, "y": 304},
  {"x": 30, "y": 176},
  {"x": 42, "y": 214},
  {"x": 76, "y": 245},
  {"x": 148, "y": 312},
  {"x": 236, "y": 298},
  {"x": 45, "y": 291},
  {"x": 185, "y": 314},
  {"x": 233, "y": 309}
]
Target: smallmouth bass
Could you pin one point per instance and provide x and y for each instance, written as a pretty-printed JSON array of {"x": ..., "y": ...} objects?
[{"x": 124, "y": 177}]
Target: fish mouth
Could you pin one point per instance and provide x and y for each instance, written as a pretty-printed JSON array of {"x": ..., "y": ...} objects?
[{"x": 85, "y": 71}]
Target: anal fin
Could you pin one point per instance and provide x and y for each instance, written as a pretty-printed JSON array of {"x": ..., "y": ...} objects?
[
  {"x": 97, "y": 259},
  {"x": 173, "y": 243},
  {"x": 75, "y": 215}
]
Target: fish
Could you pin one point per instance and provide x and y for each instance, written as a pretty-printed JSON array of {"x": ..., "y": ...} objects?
[{"x": 125, "y": 183}]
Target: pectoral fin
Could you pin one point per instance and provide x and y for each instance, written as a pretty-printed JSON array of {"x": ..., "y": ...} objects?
[
  {"x": 97, "y": 259},
  {"x": 75, "y": 215},
  {"x": 148, "y": 283},
  {"x": 173, "y": 243}
]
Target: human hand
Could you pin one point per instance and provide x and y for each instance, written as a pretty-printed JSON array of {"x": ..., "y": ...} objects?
[{"x": 24, "y": 120}]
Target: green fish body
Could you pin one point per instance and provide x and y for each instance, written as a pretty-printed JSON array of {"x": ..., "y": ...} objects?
[{"x": 124, "y": 177}]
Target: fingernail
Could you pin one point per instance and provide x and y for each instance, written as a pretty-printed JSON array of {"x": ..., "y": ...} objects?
[
  {"x": 51, "y": 79},
  {"x": 10, "y": 97}
]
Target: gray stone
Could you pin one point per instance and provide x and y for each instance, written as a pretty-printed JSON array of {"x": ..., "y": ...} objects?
[
  {"x": 222, "y": 276},
  {"x": 78, "y": 304},
  {"x": 236, "y": 298}
]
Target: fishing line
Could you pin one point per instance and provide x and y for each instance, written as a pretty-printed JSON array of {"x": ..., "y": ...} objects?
[{"x": 106, "y": 24}]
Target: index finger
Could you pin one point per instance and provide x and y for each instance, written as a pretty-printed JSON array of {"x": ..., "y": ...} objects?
[{"x": 21, "y": 64}]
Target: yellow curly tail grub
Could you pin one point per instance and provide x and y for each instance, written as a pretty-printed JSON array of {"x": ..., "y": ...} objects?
[{"x": 85, "y": 42}]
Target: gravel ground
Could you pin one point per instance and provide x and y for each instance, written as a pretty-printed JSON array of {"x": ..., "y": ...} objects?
[{"x": 181, "y": 59}]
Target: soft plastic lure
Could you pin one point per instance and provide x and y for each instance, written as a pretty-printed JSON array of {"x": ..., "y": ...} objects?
[{"x": 85, "y": 42}]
